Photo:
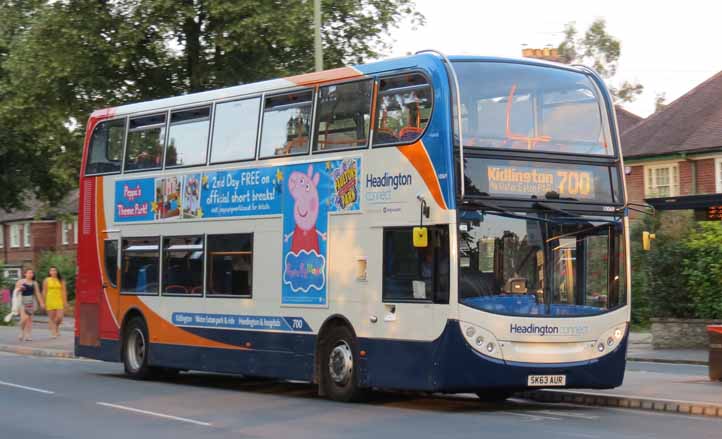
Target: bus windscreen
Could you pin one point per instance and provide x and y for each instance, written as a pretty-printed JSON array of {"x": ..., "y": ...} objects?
[
  {"x": 517, "y": 106},
  {"x": 543, "y": 180}
]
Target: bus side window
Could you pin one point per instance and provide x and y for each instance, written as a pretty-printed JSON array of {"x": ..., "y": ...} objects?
[
  {"x": 188, "y": 137},
  {"x": 230, "y": 265},
  {"x": 106, "y": 148},
  {"x": 235, "y": 127},
  {"x": 416, "y": 274},
  {"x": 403, "y": 109},
  {"x": 286, "y": 124},
  {"x": 111, "y": 261},
  {"x": 146, "y": 136},
  {"x": 343, "y": 116},
  {"x": 141, "y": 258}
]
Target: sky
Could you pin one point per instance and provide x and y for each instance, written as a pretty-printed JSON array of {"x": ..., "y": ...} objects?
[{"x": 669, "y": 47}]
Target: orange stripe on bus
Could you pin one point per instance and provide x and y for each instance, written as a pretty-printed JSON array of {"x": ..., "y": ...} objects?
[
  {"x": 325, "y": 76},
  {"x": 162, "y": 331},
  {"x": 419, "y": 158}
]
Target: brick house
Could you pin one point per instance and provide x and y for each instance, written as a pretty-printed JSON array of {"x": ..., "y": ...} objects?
[
  {"x": 26, "y": 234},
  {"x": 676, "y": 153}
]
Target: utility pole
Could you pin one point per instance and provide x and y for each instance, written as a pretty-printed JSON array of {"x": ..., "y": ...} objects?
[{"x": 317, "y": 48}]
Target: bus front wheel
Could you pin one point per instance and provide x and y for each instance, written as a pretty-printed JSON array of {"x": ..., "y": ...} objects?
[
  {"x": 135, "y": 349},
  {"x": 339, "y": 366}
]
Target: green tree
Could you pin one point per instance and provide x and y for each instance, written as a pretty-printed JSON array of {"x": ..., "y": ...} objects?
[
  {"x": 600, "y": 50},
  {"x": 59, "y": 60}
]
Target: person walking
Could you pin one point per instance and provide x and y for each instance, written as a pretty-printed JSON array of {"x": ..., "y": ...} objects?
[
  {"x": 29, "y": 291},
  {"x": 55, "y": 296}
]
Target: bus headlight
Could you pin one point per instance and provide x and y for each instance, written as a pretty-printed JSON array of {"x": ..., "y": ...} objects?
[
  {"x": 611, "y": 338},
  {"x": 481, "y": 340}
]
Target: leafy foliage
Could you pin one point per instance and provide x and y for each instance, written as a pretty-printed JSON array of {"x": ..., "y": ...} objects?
[
  {"x": 59, "y": 60},
  {"x": 703, "y": 270},
  {"x": 65, "y": 264},
  {"x": 599, "y": 49}
]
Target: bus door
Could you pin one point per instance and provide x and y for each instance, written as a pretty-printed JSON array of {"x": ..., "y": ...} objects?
[{"x": 415, "y": 283}]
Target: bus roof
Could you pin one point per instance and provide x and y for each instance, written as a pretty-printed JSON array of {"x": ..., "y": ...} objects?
[{"x": 307, "y": 79}]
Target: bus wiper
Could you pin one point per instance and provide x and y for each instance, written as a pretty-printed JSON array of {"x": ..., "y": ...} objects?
[{"x": 540, "y": 205}]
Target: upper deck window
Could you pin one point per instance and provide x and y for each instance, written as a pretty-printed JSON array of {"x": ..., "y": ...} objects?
[
  {"x": 344, "y": 116},
  {"x": 106, "y": 148},
  {"x": 234, "y": 130},
  {"x": 403, "y": 109},
  {"x": 188, "y": 137},
  {"x": 525, "y": 107},
  {"x": 286, "y": 124},
  {"x": 145, "y": 142}
]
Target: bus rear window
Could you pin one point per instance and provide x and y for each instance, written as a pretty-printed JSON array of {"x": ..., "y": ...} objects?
[
  {"x": 106, "y": 148},
  {"x": 525, "y": 107}
]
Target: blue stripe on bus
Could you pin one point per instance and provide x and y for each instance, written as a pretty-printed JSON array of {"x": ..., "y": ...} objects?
[{"x": 448, "y": 364}]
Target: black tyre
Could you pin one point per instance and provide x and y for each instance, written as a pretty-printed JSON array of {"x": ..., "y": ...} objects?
[
  {"x": 338, "y": 367},
  {"x": 136, "y": 349},
  {"x": 494, "y": 395}
]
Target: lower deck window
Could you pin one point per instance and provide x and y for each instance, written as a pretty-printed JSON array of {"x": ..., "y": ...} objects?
[
  {"x": 140, "y": 265},
  {"x": 183, "y": 265},
  {"x": 416, "y": 274},
  {"x": 230, "y": 265}
]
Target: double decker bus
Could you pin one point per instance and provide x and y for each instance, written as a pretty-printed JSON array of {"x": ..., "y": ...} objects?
[{"x": 423, "y": 223}]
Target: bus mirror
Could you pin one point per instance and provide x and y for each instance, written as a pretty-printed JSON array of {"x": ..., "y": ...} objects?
[
  {"x": 647, "y": 240},
  {"x": 421, "y": 237}
]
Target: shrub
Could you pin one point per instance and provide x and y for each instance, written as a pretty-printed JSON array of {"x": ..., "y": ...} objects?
[
  {"x": 65, "y": 263},
  {"x": 659, "y": 287},
  {"x": 703, "y": 270}
]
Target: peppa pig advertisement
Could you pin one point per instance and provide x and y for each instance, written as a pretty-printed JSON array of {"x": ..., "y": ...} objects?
[
  {"x": 303, "y": 194},
  {"x": 312, "y": 191}
]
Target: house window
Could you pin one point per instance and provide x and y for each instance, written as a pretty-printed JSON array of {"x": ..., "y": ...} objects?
[
  {"x": 26, "y": 234},
  {"x": 661, "y": 181},
  {"x": 15, "y": 235},
  {"x": 2, "y": 236},
  {"x": 718, "y": 175},
  {"x": 75, "y": 231},
  {"x": 64, "y": 232}
]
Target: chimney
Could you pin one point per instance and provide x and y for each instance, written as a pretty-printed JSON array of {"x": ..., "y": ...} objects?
[{"x": 546, "y": 54}]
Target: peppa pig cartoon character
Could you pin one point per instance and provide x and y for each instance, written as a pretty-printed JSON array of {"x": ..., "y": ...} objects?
[{"x": 303, "y": 188}]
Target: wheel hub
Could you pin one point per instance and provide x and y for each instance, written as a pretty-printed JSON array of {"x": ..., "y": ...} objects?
[
  {"x": 340, "y": 363},
  {"x": 136, "y": 349}
]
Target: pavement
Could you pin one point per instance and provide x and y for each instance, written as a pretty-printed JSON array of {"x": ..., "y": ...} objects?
[
  {"x": 86, "y": 399},
  {"x": 655, "y": 380}
]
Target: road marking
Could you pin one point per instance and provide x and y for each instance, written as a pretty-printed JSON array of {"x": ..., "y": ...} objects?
[
  {"x": 569, "y": 415},
  {"x": 32, "y": 389},
  {"x": 149, "y": 413},
  {"x": 531, "y": 417}
]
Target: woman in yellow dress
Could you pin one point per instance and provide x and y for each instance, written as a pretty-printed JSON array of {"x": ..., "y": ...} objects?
[{"x": 56, "y": 299}]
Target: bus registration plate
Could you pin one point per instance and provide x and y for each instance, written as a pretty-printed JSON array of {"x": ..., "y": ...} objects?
[{"x": 546, "y": 380}]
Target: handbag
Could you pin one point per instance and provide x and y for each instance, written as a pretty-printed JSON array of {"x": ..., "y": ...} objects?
[{"x": 14, "y": 306}]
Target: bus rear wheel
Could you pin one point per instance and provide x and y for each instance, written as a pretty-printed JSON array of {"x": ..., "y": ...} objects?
[
  {"x": 135, "y": 350},
  {"x": 339, "y": 366}
]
